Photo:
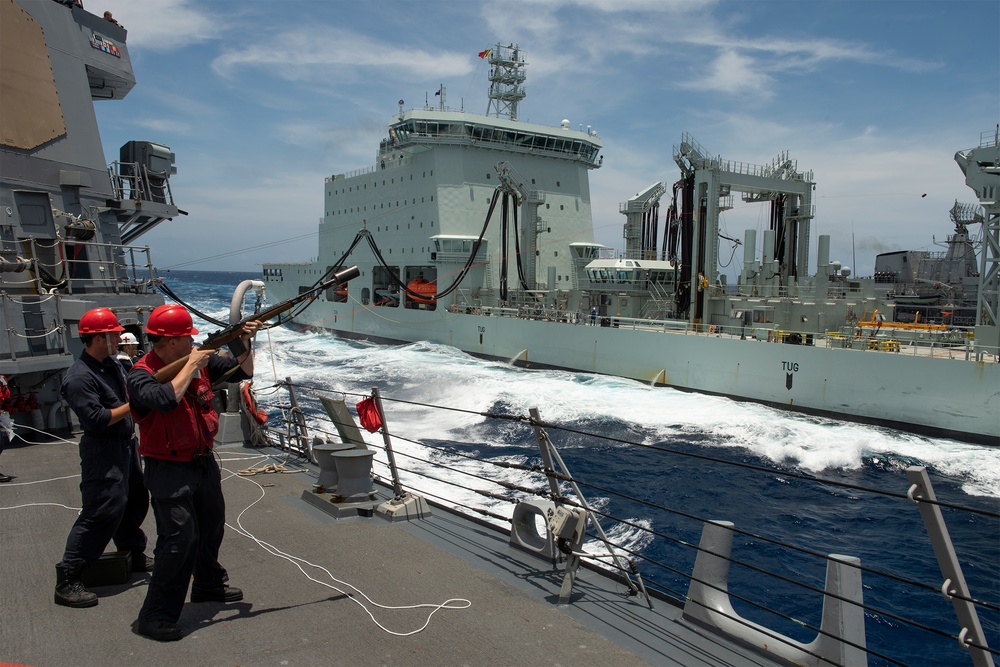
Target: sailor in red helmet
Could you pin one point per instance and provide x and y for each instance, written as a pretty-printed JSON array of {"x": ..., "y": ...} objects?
[
  {"x": 6, "y": 432},
  {"x": 177, "y": 425},
  {"x": 115, "y": 502}
]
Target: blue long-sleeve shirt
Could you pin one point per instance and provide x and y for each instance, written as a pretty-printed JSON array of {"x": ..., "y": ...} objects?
[{"x": 92, "y": 388}]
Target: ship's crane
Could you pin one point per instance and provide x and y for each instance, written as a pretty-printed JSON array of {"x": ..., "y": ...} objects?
[
  {"x": 706, "y": 185},
  {"x": 641, "y": 214}
]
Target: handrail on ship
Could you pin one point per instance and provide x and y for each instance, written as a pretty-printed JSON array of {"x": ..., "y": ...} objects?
[
  {"x": 427, "y": 465},
  {"x": 884, "y": 342},
  {"x": 118, "y": 269},
  {"x": 134, "y": 180}
]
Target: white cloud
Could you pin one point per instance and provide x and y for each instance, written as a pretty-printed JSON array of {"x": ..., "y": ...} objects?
[
  {"x": 309, "y": 53},
  {"x": 734, "y": 74},
  {"x": 164, "y": 25},
  {"x": 305, "y": 88}
]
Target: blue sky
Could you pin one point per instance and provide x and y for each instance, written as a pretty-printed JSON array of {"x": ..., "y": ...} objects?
[{"x": 262, "y": 99}]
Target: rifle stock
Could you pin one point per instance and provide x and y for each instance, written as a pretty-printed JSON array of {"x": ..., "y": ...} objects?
[{"x": 231, "y": 334}]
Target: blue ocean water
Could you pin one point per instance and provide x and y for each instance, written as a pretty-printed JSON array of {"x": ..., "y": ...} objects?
[{"x": 649, "y": 429}]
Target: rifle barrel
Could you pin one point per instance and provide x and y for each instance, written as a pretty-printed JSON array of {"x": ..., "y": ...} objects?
[{"x": 230, "y": 333}]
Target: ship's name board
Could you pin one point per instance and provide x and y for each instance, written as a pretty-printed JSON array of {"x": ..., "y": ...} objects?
[{"x": 102, "y": 43}]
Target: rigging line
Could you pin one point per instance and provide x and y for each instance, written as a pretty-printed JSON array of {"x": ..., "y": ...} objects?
[
  {"x": 446, "y": 502},
  {"x": 526, "y": 419},
  {"x": 703, "y": 457},
  {"x": 678, "y": 512},
  {"x": 780, "y": 577},
  {"x": 810, "y": 552},
  {"x": 295, "y": 560},
  {"x": 614, "y": 518},
  {"x": 772, "y": 471},
  {"x": 397, "y": 282},
  {"x": 20, "y": 507},
  {"x": 259, "y": 246},
  {"x": 775, "y": 636},
  {"x": 499, "y": 464},
  {"x": 816, "y": 554},
  {"x": 506, "y": 485},
  {"x": 465, "y": 488},
  {"x": 329, "y": 273},
  {"x": 163, "y": 287}
]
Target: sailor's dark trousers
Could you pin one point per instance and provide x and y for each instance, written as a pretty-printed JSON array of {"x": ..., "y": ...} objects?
[
  {"x": 114, "y": 500},
  {"x": 190, "y": 516}
]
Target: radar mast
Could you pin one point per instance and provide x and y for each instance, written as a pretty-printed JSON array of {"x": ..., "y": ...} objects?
[{"x": 506, "y": 80}]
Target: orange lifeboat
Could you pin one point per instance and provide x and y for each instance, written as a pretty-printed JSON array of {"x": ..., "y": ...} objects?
[{"x": 422, "y": 290}]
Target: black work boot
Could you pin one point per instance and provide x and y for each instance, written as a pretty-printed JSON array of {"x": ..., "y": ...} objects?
[
  {"x": 69, "y": 589},
  {"x": 141, "y": 562}
]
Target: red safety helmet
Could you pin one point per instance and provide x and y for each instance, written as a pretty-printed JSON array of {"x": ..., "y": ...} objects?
[
  {"x": 170, "y": 320},
  {"x": 99, "y": 320}
]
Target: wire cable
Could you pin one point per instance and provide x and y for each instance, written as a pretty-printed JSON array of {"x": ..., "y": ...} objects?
[{"x": 301, "y": 564}]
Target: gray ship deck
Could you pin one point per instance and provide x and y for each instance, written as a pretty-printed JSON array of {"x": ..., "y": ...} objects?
[{"x": 287, "y": 619}]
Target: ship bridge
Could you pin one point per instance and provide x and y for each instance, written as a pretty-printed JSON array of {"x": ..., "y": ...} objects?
[{"x": 417, "y": 128}]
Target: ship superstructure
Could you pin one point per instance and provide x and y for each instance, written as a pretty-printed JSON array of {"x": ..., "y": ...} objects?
[
  {"x": 68, "y": 221},
  {"x": 475, "y": 231}
]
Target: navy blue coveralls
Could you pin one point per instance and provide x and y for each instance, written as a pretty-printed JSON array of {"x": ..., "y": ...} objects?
[
  {"x": 115, "y": 501},
  {"x": 188, "y": 504}
]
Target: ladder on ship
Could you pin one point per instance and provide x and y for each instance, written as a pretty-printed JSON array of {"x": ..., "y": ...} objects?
[{"x": 660, "y": 303}]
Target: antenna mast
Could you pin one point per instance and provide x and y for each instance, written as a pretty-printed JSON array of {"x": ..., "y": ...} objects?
[{"x": 506, "y": 80}]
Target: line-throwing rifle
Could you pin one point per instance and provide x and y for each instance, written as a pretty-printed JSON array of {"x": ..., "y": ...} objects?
[{"x": 230, "y": 336}]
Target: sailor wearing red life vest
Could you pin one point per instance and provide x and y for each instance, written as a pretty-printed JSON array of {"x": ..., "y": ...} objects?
[{"x": 177, "y": 425}]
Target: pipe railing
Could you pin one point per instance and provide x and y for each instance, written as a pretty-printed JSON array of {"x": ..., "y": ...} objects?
[{"x": 452, "y": 467}]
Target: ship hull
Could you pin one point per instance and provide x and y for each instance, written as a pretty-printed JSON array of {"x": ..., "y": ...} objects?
[{"x": 945, "y": 396}]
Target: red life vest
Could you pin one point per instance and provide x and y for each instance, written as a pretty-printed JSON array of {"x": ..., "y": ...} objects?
[{"x": 186, "y": 431}]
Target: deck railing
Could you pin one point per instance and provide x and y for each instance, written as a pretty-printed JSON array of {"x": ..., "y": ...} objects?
[{"x": 512, "y": 491}]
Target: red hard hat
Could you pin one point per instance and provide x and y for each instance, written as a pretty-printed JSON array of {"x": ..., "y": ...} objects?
[
  {"x": 99, "y": 320},
  {"x": 170, "y": 320}
]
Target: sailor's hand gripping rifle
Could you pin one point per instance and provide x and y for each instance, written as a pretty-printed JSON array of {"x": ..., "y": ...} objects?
[{"x": 230, "y": 336}]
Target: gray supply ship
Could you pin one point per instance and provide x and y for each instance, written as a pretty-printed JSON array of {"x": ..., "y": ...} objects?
[
  {"x": 69, "y": 222},
  {"x": 475, "y": 231}
]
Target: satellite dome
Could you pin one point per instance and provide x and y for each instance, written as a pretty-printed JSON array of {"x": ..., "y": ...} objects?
[{"x": 564, "y": 124}]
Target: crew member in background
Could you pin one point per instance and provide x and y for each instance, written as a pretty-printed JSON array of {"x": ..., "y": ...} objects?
[
  {"x": 177, "y": 425},
  {"x": 6, "y": 432},
  {"x": 115, "y": 502},
  {"x": 128, "y": 351}
]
